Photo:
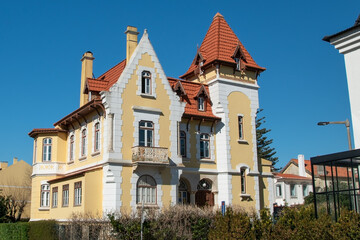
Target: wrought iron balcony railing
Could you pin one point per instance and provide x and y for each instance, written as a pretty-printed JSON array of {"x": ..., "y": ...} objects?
[{"x": 151, "y": 155}]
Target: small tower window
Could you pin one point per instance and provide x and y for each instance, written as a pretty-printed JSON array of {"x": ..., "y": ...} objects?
[
  {"x": 201, "y": 104},
  {"x": 237, "y": 60}
]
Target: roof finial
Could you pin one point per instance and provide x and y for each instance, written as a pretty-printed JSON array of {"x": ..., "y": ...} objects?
[
  {"x": 218, "y": 15},
  {"x": 357, "y": 22}
]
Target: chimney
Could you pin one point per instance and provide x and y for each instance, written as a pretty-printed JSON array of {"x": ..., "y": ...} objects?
[
  {"x": 86, "y": 72},
  {"x": 15, "y": 160},
  {"x": 3, "y": 165},
  {"x": 301, "y": 163},
  {"x": 131, "y": 41}
]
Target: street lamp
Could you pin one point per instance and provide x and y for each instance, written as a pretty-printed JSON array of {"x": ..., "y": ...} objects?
[{"x": 347, "y": 125}]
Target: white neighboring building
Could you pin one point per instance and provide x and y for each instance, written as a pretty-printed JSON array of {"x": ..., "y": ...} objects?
[
  {"x": 348, "y": 43},
  {"x": 293, "y": 183}
]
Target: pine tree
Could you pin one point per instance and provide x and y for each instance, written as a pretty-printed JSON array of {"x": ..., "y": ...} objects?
[{"x": 264, "y": 150}]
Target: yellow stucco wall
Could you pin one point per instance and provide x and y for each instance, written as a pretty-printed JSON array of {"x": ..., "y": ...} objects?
[
  {"x": 93, "y": 196},
  {"x": 130, "y": 99},
  {"x": 229, "y": 73},
  {"x": 126, "y": 175},
  {"x": 245, "y": 202},
  {"x": 243, "y": 153}
]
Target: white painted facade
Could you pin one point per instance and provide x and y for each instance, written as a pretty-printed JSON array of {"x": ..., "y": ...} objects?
[{"x": 348, "y": 43}]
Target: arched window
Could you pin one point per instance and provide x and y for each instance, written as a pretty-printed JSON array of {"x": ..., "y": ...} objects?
[
  {"x": 97, "y": 138},
  {"x": 83, "y": 142},
  {"x": 47, "y": 142},
  {"x": 204, "y": 184},
  {"x": 72, "y": 142},
  {"x": 183, "y": 143},
  {"x": 146, "y": 82},
  {"x": 183, "y": 192},
  {"x": 146, "y": 190},
  {"x": 243, "y": 180}
]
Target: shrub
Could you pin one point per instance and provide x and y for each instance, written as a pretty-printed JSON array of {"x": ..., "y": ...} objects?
[
  {"x": 45, "y": 230},
  {"x": 14, "y": 231}
]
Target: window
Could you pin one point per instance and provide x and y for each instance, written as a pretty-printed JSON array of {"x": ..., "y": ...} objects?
[
  {"x": 146, "y": 190},
  {"x": 65, "y": 195},
  {"x": 237, "y": 60},
  {"x": 72, "y": 142},
  {"x": 54, "y": 197},
  {"x": 183, "y": 143},
  {"x": 305, "y": 190},
  {"x": 241, "y": 132},
  {"x": 83, "y": 142},
  {"x": 278, "y": 190},
  {"x": 201, "y": 104},
  {"x": 146, "y": 130},
  {"x": 204, "y": 146},
  {"x": 183, "y": 192},
  {"x": 146, "y": 82},
  {"x": 45, "y": 195},
  {"x": 47, "y": 149},
  {"x": 292, "y": 190},
  {"x": 77, "y": 194},
  {"x": 243, "y": 180},
  {"x": 97, "y": 138}
]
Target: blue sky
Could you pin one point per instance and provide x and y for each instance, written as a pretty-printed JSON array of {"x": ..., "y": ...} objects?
[{"x": 41, "y": 43}]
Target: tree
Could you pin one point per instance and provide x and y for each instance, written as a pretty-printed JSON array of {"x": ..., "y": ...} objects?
[{"x": 264, "y": 150}]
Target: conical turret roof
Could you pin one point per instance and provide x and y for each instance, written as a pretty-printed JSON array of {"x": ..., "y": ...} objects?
[{"x": 220, "y": 44}]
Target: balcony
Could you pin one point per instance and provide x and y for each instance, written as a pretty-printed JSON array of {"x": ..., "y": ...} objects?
[{"x": 155, "y": 156}]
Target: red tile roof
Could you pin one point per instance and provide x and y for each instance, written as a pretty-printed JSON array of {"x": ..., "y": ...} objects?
[
  {"x": 291, "y": 176},
  {"x": 341, "y": 171},
  {"x": 191, "y": 90},
  {"x": 220, "y": 43},
  {"x": 107, "y": 79}
]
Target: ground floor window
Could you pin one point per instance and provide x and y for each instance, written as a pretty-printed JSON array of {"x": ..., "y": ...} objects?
[
  {"x": 292, "y": 190},
  {"x": 305, "y": 190},
  {"x": 278, "y": 190},
  {"x": 45, "y": 195},
  {"x": 146, "y": 190},
  {"x": 243, "y": 180},
  {"x": 184, "y": 196},
  {"x": 77, "y": 194}
]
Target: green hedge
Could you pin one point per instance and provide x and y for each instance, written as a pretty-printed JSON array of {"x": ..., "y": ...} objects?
[
  {"x": 14, "y": 231},
  {"x": 45, "y": 230}
]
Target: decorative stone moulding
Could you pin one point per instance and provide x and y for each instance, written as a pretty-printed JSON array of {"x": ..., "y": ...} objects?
[
  {"x": 157, "y": 155},
  {"x": 49, "y": 168}
]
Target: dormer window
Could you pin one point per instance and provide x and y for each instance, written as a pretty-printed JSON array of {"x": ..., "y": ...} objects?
[
  {"x": 146, "y": 82},
  {"x": 201, "y": 104},
  {"x": 237, "y": 60}
]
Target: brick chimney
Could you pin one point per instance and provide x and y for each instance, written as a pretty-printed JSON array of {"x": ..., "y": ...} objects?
[
  {"x": 301, "y": 163},
  {"x": 131, "y": 41},
  {"x": 86, "y": 72}
]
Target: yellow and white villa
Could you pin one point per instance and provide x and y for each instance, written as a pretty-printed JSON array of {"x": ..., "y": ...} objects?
[{"x": 142, "y": 137}]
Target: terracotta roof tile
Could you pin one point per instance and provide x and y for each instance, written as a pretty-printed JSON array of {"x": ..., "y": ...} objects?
[
  {"x": 107, "y": 79},
  {"x": 220, "y": 43},
  {"x": 191, "y": 90},
  {"x": 291, "y": 176},
  {"x": 37, "y": 131},
  {"x": 341, "y": 171}
]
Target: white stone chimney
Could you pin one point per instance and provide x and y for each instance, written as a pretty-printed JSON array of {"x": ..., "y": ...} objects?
[{"x": 301, "y": 163}]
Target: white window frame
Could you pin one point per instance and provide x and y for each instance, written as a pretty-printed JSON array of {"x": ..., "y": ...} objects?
[
  {"x": 208, "y": 148},
  {"x": 47, "y": 150},
  {"x": 146, "y": 83},
  {"x": 243, "y": 180},
  {"x": 45, "y": 195},
  {"x": 293, "y": 195},
  {"x": 147, "y": 191},
  {"x": 305, "y": 190},
  {"x": 83, "y": 143},
  {"x": 147, "y": 130},
  {"x": 55, "y": 197},
  {"x": 65, "y": 195},
  {"x": 153, "y": 75},
  {"x": 201, "y": 104},
  {"x": 241, "y": 126},
  {"x": 278, "y": 190},
  {"x": 77, "y": 193},
  {"x": 97, "y": 137},
  {"x": 71, "y": 147}
]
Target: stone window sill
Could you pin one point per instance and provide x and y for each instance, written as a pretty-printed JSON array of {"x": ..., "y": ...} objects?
[
  {"x": 82, "y": 158},
  {"x": 207, "y": 160},
  {"x": 44, "y": 208},
  {"x": 95, "y": 153},
  {"x": 147, "y": 96},
  {"x": 245, "y": 197},
  {"x": 242, "y": 141}
]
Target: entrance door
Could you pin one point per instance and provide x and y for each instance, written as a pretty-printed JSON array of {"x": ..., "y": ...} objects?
[{"x": 204, "y": 198}]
